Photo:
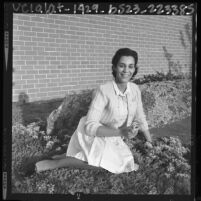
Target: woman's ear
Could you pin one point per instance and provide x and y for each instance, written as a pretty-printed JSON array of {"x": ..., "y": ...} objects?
[
  {"x": 113, "y": 70},
  {"x": 136, "y": 68}
]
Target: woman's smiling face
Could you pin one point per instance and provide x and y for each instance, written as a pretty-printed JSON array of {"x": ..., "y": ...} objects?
[{"x": 125, "y": 69}]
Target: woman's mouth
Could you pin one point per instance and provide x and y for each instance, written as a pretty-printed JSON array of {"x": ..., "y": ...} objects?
[{"x": 125, "y": 75}]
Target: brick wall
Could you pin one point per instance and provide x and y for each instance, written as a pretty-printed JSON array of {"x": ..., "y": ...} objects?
[{"x": 54, "y": 55}]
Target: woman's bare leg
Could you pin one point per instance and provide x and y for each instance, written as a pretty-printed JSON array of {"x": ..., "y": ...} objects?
[
  {"x": 64, "y": 162},
  {"x": 59, "y": 156}
]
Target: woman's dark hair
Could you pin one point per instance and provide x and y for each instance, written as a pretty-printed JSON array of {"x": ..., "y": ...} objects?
[{"x": 124, "y": 52}]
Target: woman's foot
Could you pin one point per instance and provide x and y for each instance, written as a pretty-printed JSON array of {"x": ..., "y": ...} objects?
[{"x": 45, "y": 165}]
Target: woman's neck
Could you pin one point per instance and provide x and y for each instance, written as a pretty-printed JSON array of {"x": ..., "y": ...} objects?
[{"x": 122, "y": 86}]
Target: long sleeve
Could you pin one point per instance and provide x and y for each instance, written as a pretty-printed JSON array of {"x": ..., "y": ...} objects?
[
  {"x": 95, "y": 112},
  {"x": 140, "y": 115}
]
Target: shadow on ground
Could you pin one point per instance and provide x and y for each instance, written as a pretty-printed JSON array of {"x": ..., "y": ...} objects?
[
  {"x": 39, "y": 111},
  {"x": 181, "y": 128}
]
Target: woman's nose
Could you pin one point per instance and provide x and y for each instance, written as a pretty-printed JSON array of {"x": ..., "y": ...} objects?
[{"x": 126, "y": 69}]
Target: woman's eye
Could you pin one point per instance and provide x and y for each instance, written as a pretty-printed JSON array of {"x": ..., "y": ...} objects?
[
  {"x": 131, "y": 67},
  {"x": 121, "y": 65}
]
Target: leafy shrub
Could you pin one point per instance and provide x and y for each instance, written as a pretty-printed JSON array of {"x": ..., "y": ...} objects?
[
  {"x": 166, "y": 102},
  {"x": 159, "y": 76},
  {"x": 165, "y": 165},
  {"x": 16, "y": 114},
  {"x": 73, "y": 107},
  {"x": 148, "y": 99},
  {"x": 163, "y": 102},
  {"x": 29, "y": 144},
  {"x": 163, "y": 170}
]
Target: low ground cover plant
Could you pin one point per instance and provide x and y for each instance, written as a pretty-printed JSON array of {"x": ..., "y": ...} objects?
[{"x": 163, "y": 170}]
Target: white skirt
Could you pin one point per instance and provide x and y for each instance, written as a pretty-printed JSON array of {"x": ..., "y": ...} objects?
[{"x": 110, "y": 153}]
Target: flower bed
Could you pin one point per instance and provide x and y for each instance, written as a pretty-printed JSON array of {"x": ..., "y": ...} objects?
[
  {"x": 163, "y": 102},
  {"x": 163, "y": 170}
]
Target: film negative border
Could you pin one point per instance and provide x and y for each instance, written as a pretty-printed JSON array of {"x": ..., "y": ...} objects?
[{"x": 103, "y": 8}]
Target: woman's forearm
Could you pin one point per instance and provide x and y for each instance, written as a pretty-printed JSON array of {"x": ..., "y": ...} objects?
[
  {"x": 147, "y": 135},
  {"x": 104, "y": 131}
]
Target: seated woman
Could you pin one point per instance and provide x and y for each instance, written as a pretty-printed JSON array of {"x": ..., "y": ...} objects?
[{"x": 116, "y": 107}]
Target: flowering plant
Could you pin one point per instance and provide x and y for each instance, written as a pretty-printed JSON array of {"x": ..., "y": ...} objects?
[{"x": 165, "y": 165}]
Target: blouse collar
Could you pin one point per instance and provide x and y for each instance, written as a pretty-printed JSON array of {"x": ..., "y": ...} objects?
[{"x": 118, "y": 92}]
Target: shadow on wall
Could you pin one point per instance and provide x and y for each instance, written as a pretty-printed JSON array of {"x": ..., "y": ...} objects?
[
  {"x": 23, "y": 98},
  {"x": 188, "y": 32},
  {"x": 173, "y": 67},
  {"x": 17, "y": 108},
  {"x": 188, "y": 35}
]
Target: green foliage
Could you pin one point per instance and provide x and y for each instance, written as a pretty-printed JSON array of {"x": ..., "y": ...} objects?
[
  {"x": 164, "y": 165},
  {"x": 163, "y": 170},
  {"x": 163, "y": 102},
  {"x": 166, "y": 102},
  {"x": 29, "y": 144},
  {"x": 148, "y": 99},
  {"x": 38, "y": 111},
  {"x": 74, "y": 107},
  {"x": 16, "y": 114},
  {"x": 159, "y": 77}
]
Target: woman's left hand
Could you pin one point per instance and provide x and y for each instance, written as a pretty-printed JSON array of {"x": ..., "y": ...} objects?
[
  {"x": 148, "y": 145},
  {"x": 134, "y": 130}
]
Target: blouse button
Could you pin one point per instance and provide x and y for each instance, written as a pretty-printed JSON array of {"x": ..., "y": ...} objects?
[{"x": 113, "y": 121}]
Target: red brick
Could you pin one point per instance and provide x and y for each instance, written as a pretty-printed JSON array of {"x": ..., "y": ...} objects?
[
  {"x": 34, "y": 72},
  {"x": 17, "y": 52},
  {"x": 41, "y": 85},
  {"x": 17, "y": 86},
  {"x": 41, "y": 24},
  {"x": 31, "y": 44},
  {"x": 51, "y": 76},
  {"x": 31, "y": 52},
  {"x": 39, "y": 67},
  {"x": 18, "y": 91},
  {"x": 22, "y": 63},
  {"x": 23, "y": 17},
  {"x": 77, "y": 50},
  {"x": 44, "y": 71},
  {"x": 24, "y": 38},
  {"x": 26, "y": 77},
  {"x": 24, "y": 28},
  {"x": 36, "y": 39},
  {"x": 42, "y": 34},
  {"x": 28, "y": 86},
  {"x": 34, "y": 91},
  {"x": 37, "y": 29},
  {"x": 41, "y": 94},
  {"x": 52, "y": 84},
  {"x": 20, "y": 72},
  {"x": 32, "y": 81},
  {"x": 31, "y": 62},
  {"x": 43, "y": 63},
  {"x": 55, "y": 80},
  {"x": 20, "y": 43},
  {"x": 54, "y": 94},
  {"x": 17, "y": 22}
]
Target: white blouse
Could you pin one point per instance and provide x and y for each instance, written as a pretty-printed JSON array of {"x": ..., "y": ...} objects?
[
  {"x": 112, "y": 108},
  {"x": 108, "y": 107}
]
